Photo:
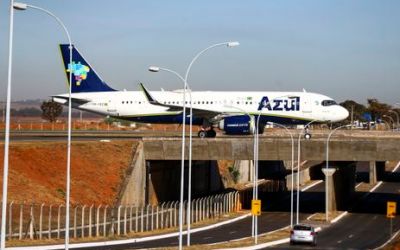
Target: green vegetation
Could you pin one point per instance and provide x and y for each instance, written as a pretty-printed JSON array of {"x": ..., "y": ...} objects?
[{"x": 51, "y": 110}]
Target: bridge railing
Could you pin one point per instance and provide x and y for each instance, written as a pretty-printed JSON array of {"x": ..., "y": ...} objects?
[{"x": 46, "y": 221}]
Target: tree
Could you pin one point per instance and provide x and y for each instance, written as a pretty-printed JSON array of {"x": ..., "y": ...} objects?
[
  {"x": 357, "y": 108},
  {"x": 377, "y": 109},
  {"x": 51, "y": 110}
]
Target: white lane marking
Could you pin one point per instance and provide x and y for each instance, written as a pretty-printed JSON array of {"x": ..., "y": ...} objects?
[
  {"x": 261, "y": 246},
  {"x": 388, "y": 241},
  {"x": 206, "y": 238},
  {"x": 339, "y": 241},
  {"x": 312, "y": 185},
  {"x": 232, "y": 232},
  {"x": 351, "y": 236},
  {"x": 395, "y": 168},
  {"x": 358, "y": 185},
  {"x": 309, "y": 217},
  {"x": 339, "y": 217},
  {"x": 376, "y": 186},
  {"x": 127, "y": 241}
]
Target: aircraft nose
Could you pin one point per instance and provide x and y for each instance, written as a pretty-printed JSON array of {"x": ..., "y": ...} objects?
[{"x": 343, "y": 113}]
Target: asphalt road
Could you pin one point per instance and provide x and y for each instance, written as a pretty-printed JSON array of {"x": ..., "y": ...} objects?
[
  {"x": 268, "y": 222},
  {"x": 366, "y": 226}
]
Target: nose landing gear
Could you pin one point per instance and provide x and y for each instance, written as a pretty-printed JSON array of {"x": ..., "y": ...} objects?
[{"x": 207, "y": 133}]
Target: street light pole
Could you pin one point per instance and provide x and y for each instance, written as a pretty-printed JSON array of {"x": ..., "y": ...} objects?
[
  {"x": 157, "y": 69},
  {"x": 185, "y": 81},
  {"x": 228, "y": 44},
  {"x": 292, "y": 163},
  {"x": 256, "y": 153},
  {"x": 391, "y": 119},
  {"x": 397, "y": 117},
  {"x": 7, "y": 130},
  {"x": 327, "y": 167},
  {"x": 298, "y": 171},
  {"x": 23, "y": 6}
]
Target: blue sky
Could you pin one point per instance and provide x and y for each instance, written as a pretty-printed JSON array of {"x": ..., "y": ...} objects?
[{"x": 344, "y": 49}]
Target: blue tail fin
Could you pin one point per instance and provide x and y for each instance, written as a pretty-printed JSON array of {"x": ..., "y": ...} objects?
[{"x": 84, "y": 78}]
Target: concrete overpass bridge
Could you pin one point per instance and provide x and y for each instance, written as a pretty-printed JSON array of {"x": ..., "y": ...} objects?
[{"x": 157, "y": 160}]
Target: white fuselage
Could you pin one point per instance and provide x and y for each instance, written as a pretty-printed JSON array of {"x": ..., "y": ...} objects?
[{"x": 293, "y": 106}]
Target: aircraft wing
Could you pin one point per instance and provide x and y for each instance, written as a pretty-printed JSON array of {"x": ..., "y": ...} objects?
[
  {"x": 204, "y": 113},
  {"x": 64, "y": 99}
]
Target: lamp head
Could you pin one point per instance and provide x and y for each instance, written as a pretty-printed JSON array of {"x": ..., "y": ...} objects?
[
  {"x": 233, "y": 44},
  {"x": 154, "y": 69},
  {"x": 20, "y": 6}
]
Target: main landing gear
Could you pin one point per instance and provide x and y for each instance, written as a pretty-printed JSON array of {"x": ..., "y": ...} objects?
[{"x": 207, "y": 133}]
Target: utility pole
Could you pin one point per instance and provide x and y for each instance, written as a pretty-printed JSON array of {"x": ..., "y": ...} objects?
[{"x": 352, "y": 117}]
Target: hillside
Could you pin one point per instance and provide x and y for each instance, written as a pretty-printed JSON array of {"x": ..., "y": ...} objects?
[{"x": 37, "y": 171}]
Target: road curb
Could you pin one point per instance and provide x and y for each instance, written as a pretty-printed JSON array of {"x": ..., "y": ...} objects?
[
  {"x": 127, "y": 241},
  {"x": 260, "y": 246}
]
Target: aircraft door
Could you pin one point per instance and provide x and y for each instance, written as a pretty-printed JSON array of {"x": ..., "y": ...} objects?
[
  {"x": 112, "y": 109},
  {"x": 307, "y": 105}
]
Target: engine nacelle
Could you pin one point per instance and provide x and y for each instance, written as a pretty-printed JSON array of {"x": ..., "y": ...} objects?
[{"x": 237, "y": 125}]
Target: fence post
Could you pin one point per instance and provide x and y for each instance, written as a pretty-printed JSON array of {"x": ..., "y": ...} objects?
[
  {"x": 176, "y": 213},
  {"x": 157, "y": 210},
  {"x": 75, "y": 215},
  {"x": 130, "y": 218},
  {"x": 152, "y": 218},
  {"x": 197, "y": 210},
  {"x": 51, "y": 205},
  {"x": 141, "y": 218},
  {"x": 147, "y": 217},
  {"x": 230, "y": 202},
  {"x": 125, "y": 220},
  {"x": 83, "y": 222},
  {"x": 171, "y": 214},
  {"x": 105, "y": 221},
  {"x": 59, "y": 221},
  {"x": 21, "y": 207},
  {"x": 90, "y": 220},
  {"x": 137, "y": 218},
  {"x": 41, "y": 221},
  {"x": 162, "y": 215},
  {"x": 31, "y": 223},
  {"x": 10, "y": 230},
  {"x": 119, "y": 220},
  {"x": 98, "y": 221}
]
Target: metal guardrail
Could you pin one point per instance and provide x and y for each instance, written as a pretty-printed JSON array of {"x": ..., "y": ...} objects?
[{"x": 41, "y": 221}]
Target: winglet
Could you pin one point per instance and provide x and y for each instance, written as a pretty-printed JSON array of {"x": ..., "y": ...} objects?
[{"x": 149, "y": 97}]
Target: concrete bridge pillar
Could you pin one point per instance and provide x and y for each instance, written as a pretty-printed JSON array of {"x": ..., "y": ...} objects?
[
  {"x": 330, "y": 199},
  {"x": 372, "y": 173},
  {"x": 376, "y": 171},
  {"x": 246, "y": 169},
  {"x": 344, "y": 181},
  {"x": 340, "y": 182}
]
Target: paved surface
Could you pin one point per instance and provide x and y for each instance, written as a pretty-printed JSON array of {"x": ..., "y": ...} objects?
[{"x": 366, "y": 226}]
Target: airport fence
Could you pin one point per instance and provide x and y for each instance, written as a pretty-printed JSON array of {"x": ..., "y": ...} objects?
[{"x": 43, "y": 221}]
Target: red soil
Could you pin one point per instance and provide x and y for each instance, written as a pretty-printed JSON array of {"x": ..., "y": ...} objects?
[{"x": 37, "y": 171}]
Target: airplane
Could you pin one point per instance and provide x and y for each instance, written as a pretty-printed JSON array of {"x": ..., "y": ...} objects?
[{"x": 234, "y": 112}]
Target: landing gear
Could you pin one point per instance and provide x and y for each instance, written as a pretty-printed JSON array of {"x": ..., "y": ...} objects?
[{"x": 207, "y": 133}]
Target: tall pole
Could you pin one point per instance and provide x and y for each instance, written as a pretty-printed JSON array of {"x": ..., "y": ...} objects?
[
  {"x": 188, "y": 217},
  {"x": 22, "y": 6},
  {"x": 156, "y": 69},
  {"x": 292, "y": 166},
  {"x": 7, "y": 130},
  {"x": 397, "y": 117},
  {"x": 185, "y": 88},
  {"x": 327, "y": 167},
  {"x": 298, "y": 171}
]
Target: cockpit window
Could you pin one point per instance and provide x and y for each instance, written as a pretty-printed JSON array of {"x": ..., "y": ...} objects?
[{"x": 328, "y": 103}]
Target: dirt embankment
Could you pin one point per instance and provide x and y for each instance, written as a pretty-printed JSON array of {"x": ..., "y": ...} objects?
[{"x": 37, "y": 171}]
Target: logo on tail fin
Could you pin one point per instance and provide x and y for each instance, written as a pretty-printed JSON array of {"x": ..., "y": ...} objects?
[{"x": 79, "y": 70}]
